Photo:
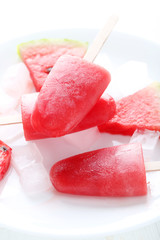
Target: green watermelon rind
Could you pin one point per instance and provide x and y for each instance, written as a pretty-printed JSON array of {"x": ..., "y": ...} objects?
[
  {"x": 52, "y": 41},
  {"x": 156, "y": 85}
]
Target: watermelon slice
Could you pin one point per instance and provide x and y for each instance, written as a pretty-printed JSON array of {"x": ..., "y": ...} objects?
[
  {"x": 114, "y": 171},
  {"x": 140, "y": 110},
  {"x": 5, "y": 158},
  {"x": 41, "y": 55}
]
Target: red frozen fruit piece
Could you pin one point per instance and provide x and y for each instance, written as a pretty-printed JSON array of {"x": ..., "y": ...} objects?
[
  {"x": 115, "y": 171},
  {"x": 103, "y": 110},
  {"x": 70, "y": 91},
  {"x": 27, "y": 106},
  {"x": 140, "y": 110},
  {"x": 5, "y": 158},
  {"x": 41, "y": 55}
]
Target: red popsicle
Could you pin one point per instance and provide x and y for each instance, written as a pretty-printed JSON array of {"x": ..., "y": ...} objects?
[
  {"x": 70, "y": 91},
  {"x": 115, "y": 171},
  {"x": 103, "y": 110}
]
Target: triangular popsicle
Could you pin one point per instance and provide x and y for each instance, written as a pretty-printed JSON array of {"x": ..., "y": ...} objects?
[{"x": 70, "y": 91}]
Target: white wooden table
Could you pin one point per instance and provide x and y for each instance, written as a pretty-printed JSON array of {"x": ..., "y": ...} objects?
[{"x": 138, "y": 17}]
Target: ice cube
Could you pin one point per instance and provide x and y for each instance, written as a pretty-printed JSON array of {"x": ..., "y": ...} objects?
[
  {"x": 83, "y": 139},
  {"x": 25, "y": 155},
  {"x": 7, "y": 103},
  {"x": 27, "y": 162},
  {"x": 34, "y": 178},
  {"x": 104, "y": 61},
  {"x": 153, "y": 179},
  {"x": 148, "y": 139},
  {"x": 16, "y": 80},
  {"x": 59, "y": 149},
  {"x": 116, "y": 143},
  {"x": 4, "y": 180},
  {"x": 128, "y": 78},
  {"x": 11, "y": 133}
]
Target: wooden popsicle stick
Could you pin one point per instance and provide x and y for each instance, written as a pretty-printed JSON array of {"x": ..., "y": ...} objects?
[
  {"x": 11, "y": 119},
  {"x": 152, "y": 166},
  {"x": 100, "y": 39}
]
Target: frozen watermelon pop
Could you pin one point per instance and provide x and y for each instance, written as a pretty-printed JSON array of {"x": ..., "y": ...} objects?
[
  {"x": 140, "y": 110},
  {"x": 71, "y": 89},
  {"x": 115, "y": 171},
  {"x": 104, "y": 109}
]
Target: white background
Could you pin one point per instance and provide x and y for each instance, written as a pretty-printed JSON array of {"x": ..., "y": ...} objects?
[
  {"x": 137, "y": 17},
  {"x": 20, "y": 17}
]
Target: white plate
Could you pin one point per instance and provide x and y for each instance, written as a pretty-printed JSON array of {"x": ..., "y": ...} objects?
[{"x": 54, "y": 215}]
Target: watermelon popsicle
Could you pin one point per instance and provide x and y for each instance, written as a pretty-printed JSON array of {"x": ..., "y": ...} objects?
[
  {"x": 114, "y": 171},
  {"x": 104, "y": 109},
  {"x": 70, "y": 91}
]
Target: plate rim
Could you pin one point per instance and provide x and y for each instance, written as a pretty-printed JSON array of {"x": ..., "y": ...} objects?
[{"x": 81, "y": 236}]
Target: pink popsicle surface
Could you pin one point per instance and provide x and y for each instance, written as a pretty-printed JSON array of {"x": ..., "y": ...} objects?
[
  {"x": 115, "y": 171},
  {"x": 70, "y": 91},
  {"x": 103, "y": 110}
]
